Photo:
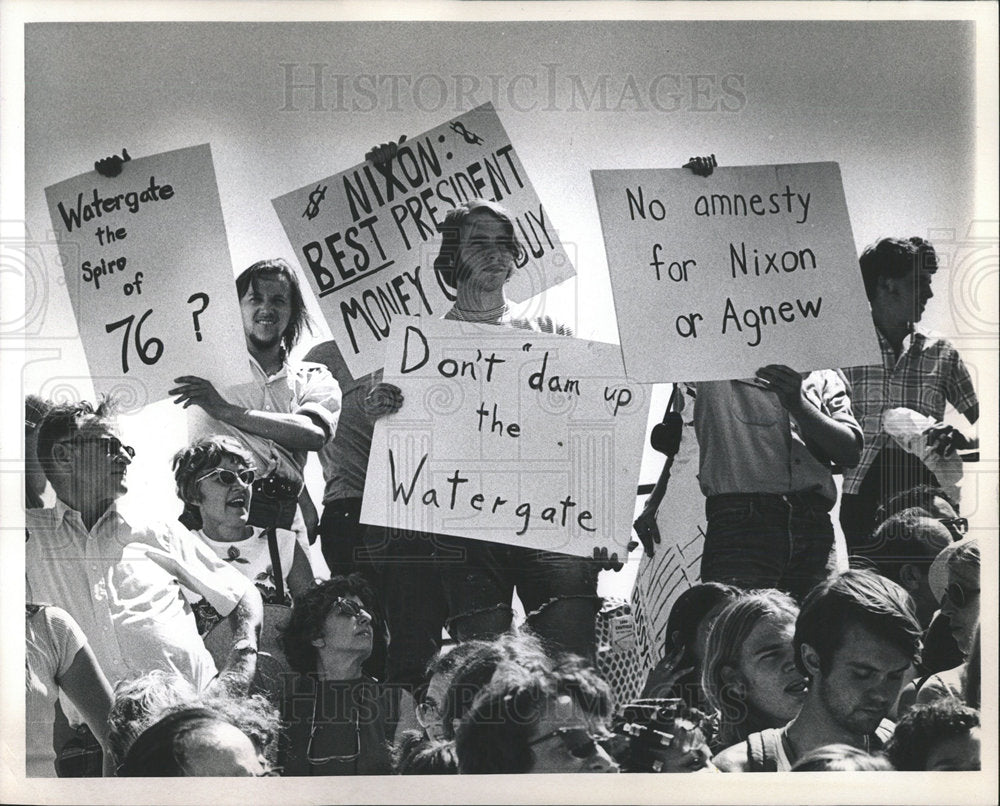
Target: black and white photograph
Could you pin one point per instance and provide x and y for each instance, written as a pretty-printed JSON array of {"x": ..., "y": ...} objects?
[{"x": 497, "y": 391}]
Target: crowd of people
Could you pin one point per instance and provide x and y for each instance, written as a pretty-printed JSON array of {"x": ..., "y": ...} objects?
[{"x": 208, "y": 644}]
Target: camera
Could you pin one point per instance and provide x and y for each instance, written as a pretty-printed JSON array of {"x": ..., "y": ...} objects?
[{"x": 660, "y": 735}]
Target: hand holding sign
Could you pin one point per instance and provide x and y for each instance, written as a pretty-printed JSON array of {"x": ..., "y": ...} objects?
[
  {"x": 382, "y": 400},
  {"x": 199, "y": 392},
  {"x": 147, "y": 269},
  {"x": 786, "y": 383},
  {"x": 713, "y": 278},
  {"x": 534, "y": 446}
]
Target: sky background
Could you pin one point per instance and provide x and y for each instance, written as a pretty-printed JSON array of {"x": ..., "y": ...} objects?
[{"x": 893, "y": 102}]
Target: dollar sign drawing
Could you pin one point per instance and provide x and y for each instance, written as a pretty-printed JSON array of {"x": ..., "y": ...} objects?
[
  {"x": 314, "y": 199},
  {"x": 473, "y": 139}
]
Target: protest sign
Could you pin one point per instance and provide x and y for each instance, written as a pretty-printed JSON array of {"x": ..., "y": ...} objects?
[
  {"x": 714, "y": 277},
  {"x": 676, "y": 563},
  {"x": 367, "y": 237},
  {"x": 507, "y": 435},
  {"x": 149, "y": 275}
]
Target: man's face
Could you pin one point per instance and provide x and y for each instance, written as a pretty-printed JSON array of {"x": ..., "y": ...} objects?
[
  {"x": 863, "y": 681},
  {"x": 267, "y": 311},
  {"x": 912, "y": 292},
  {"x": 933, "y": 536},
  {"x": 774, "y": 686},
  {"x": 571, "y": 750},
  {"x": 221, "y": 750},
  {"x": 99, "y": 462},
  {"x": 961, "y": 603},
  {"x": 485, "y": 259}
]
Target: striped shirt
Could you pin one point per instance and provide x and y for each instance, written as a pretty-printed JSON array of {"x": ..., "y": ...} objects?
[{"x": 928, "y": 373}]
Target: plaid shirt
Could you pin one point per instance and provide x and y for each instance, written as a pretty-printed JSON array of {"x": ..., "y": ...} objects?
[{"x": 928, "y": 372}]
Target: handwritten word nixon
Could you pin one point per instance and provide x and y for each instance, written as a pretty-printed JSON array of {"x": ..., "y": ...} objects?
[
  {"x": 790, "y": 260},
  {"x": 133, "y": 200},
  {"x": 477, "y": 502}
]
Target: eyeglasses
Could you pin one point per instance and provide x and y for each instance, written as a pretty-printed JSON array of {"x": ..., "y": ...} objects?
[
  {"x": 579, "y": 742},
  {"x": 958, "y": 595},
  {"x": 428, "y": 712},
  {"x": 113, "y": 446},
  {"x": 246, "y": 477},
  {"x": 326, "y": 759},
  {"x": 960, "y": 525},
  {"x": 348, "y": 607}
]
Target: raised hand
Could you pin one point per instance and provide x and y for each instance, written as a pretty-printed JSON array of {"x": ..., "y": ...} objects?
[{"x": 112, "y": 166}]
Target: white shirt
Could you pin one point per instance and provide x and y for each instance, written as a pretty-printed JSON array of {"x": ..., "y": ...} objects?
[{"x": 121, "y": 581}]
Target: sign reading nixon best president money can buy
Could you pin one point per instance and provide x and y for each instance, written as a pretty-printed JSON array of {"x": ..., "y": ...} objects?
[
  {"x": 149, "y": 275},
  {"x": 714, "y": 277},
  {"x": 366, "y": 238}
]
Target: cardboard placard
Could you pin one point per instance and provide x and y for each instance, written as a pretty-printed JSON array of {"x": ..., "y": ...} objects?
[
  {"x": 507, "y": 435},
  {"x": 149, "y": 275},
  {"x": 366, "y": 238},
  {"x": 715, "y": 277}
]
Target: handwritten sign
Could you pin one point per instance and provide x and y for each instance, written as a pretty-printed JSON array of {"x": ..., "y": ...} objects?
[
  {"x": 148, "y": 272},
  {"x": 714, "y": 277},
  {"x": 367, "y": 237},
  {"x": 509, "y": 436}
]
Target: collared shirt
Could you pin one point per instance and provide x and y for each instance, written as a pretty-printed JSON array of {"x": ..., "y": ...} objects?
[
  {"x": 749, "y": 443},
  {"x": 299, "y": 388},
  {"x": 122, "y": 581},
  {"x": 928, "y": 373},
  {"x": 345, "y": 457}
]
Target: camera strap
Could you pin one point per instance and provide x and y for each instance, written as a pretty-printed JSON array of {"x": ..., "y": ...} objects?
[{"x": 279, "y": 576}]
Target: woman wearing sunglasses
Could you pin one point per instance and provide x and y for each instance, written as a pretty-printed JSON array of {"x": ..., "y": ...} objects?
[
  {"x": 214, "y": 478},
  {"x": 341, "y": 720}
]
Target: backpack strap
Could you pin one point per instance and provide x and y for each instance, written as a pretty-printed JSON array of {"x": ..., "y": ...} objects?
[{"x": 763, "y": 750}]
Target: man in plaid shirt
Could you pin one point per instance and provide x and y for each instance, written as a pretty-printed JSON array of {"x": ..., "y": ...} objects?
[{"x": 919, "y": 371}]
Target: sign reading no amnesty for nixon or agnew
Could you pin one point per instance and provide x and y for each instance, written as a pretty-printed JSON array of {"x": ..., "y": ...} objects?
[
  {"x": 366, "y": 238},
  {"x": 149, "y": 275},
  {"x": 509, "y": 436},
  {"x": 714, "y": 277}
]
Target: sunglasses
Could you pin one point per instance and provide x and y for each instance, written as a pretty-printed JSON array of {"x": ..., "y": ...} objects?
[
  {"x": 579, "y": 742},
  {"x": 958, "y": 595},
  {"x": 348, "y": 607},
  {"x": 113, "y": 446},
  {"x": 245, "y": 477},
  {"x": 960, "y": 525},
  {"x": 318, "y": 761}
]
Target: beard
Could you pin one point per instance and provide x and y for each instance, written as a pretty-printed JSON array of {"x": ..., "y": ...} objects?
[
  {"x": 263, "y": 344},
  {"x": 859, "y": 722}
]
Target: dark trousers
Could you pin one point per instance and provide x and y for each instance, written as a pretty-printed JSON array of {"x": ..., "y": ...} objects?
[
  {"x": 408, "y": 585},
  {"x": 761, "y": 540},
  {"x": 342, "y": 536},
  {"x": 893, "y": 471},
  {"x": 558, "y": 591}
]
